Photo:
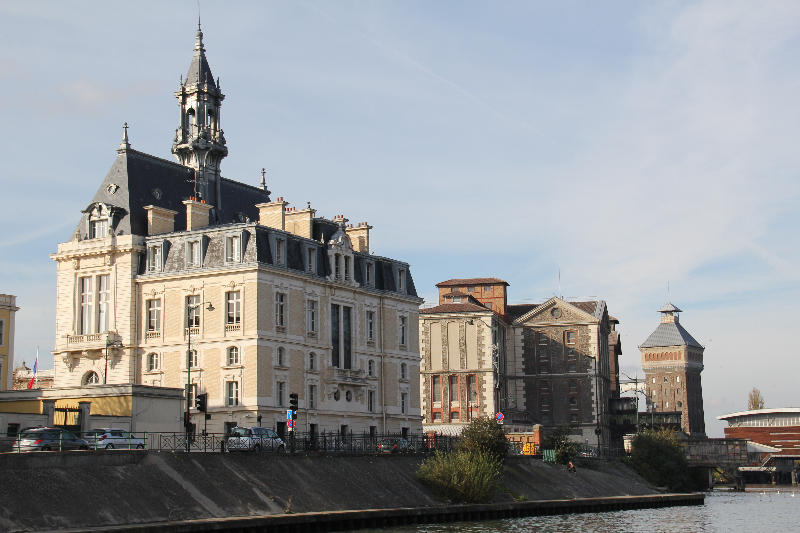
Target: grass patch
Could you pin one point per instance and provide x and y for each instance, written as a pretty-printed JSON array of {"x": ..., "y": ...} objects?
[{"x": 460, "y": 476}]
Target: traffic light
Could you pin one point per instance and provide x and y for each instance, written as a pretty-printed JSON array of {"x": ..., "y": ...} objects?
[
  {"x": 293, "y": 403},
  {"x": 200, "y": 402}
]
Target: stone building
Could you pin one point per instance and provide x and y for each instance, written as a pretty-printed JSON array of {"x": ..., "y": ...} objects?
[
  {"x": 8, "y": 314},
  {"x": 463, "y": 349},
  {"x": 548, "y": 364},
  {"x": 43, "y": 379},
  {"x": 178, "y": 277},
  {"x": 672, "y": 361}
]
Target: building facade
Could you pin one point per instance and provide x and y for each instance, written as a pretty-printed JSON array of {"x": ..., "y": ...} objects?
[
  {"x": 22, "y": 377},
  {"x": 541, "y": 365},
  {"x": 8, "y": 314},
  {"x": 178, "y": 277},
  {"x": 778, "y": 428},
  {"x": 672, "y": 361}
]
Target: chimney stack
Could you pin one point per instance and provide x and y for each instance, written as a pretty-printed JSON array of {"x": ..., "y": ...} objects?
[
  {"x": 359, "y": 236},
  {"x": 196, "y": 213},
  {"x": 160, "y": 220},
  {"x": 273, "y": 214}
]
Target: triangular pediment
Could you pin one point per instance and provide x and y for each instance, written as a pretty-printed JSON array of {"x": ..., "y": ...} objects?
[{"x": 554, "y": 311}]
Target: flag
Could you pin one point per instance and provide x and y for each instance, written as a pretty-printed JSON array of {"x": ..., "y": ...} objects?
[{"x": 30, "y": 383}]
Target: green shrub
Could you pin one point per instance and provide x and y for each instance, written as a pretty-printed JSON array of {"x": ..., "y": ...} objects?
[
  {"x": 560, "y": 441},
  {"x": 460, "y": 476},
  {"x": 484, "y": 435},
  {"x": 659, "y": 457}
]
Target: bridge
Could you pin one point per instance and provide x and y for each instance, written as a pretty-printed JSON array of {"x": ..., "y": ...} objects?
[{"x": 726, "y": 455}]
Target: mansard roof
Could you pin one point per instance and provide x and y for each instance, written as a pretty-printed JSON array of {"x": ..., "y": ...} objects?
[
  {"x": 136, "y": 180},
  {"x": 670, "y": 334}
]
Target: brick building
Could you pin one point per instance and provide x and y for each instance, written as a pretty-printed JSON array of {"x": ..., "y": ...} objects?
[
  {"x": 178, "y": 277},
  {"x": 672, "y": 361},
  {"x": 778, "y": 428}
]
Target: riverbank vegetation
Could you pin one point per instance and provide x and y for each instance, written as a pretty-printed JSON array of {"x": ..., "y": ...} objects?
[
  {"x": 468, "y": 475},
  {"x": 659, "y": 457},
  {"x": 560, "y": 441}
]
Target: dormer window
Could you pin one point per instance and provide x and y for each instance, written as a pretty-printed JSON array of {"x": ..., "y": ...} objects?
[
  {"x": 233, "y": 249},
  {"x": 370, "y": 274},
  {"x": 280, "y": 251},
  {"x": 346, "y": 268},
  {"x": 336, "y": 260},
  {"x": 193, "y": 258},
  {"x": 312, "y": 261},
  {"x": 401, "y": 280},
  {"x": 98, "y": 228},
  {"x": 155, "y": 262}
]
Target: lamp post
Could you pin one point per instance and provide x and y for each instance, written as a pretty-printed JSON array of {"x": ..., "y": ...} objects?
[
  {"x": 189, "y": 309},
  {"x": 115, "y": 344}
]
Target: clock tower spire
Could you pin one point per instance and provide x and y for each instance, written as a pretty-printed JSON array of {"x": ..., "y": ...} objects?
[{"x": 199, "y": 141}]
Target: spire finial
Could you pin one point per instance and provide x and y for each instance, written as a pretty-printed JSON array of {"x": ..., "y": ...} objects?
[
  {"x": 264, "y": 181},
  {"x": 124, "y": 145}
]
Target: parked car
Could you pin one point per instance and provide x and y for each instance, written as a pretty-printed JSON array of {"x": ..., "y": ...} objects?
[
  {"x": 394, "y": 446},
  {"x": 48, "y": 439},
  {"x": 110, "y": 438},
  {"x": 254, "y": 440}
]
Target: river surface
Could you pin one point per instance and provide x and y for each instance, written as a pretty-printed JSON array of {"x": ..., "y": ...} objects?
[{"x": 750, "y": 512}]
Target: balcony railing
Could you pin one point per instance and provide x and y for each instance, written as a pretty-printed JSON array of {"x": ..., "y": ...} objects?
[
  {"x": 232, "y": 327},
  {"x": 82, "y": 339},
  {"x": 153, "y": 335},
  {"x": 194, "y": 330},
  {"x": 346, "y": 375}
]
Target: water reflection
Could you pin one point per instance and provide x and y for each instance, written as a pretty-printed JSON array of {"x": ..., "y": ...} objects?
[{"x": 752, "y": 512}]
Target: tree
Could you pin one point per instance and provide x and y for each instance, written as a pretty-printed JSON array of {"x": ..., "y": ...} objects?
[
  {"x": 755, "y": 400},
  {"x": 659, "y": 457},
  {"x": 560, "y": 441},
  {"x": 484, "y": 435}
]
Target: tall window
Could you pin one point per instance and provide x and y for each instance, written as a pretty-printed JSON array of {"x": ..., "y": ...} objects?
[
  {"x": 312, "y": 260},
  {"x": 233, "y": 355},
  {"x": 401, "y": 280},
  {"x": 279, "y": 392},
  {"x": 370, "y": 325},
  {"x": 571, "y": 337},
  {"x": 280, "y": 301},
  {"x": 341, "y": 336},
  {"x": 234, "y": 307},
  {"x": 86, "y": 305},
  {"x": 154, "y": 264},
  {"x": 336, "y": 260},
  {"x": 233, "y": 249},
  {"x": 346, "y": 267},
  {"x": 454, "y": 388},
  {"x": 403, "y": 400},
  {"x": 153, "y": 315},
  {"x": 233, "y": 393},
  {"x": 312, "y": 396},
  {"x": 2, "y": 332},
  {"x": 436, "y": 389},
  {"x": 403, "y": 371},
  {"x": 370, "y": 367},
  {"x": 311, "y": 360},
  {"x": 98, "y": 228},
  {"x": 193, "y": 254},
  {"x": 192, "y": 394},
  {"x": 311, "y": 315},
  {"x": 472, "y": 390},
  {"x": 103, "y": 301},
  {"x": 193, "y": 359},
  {"x": 370, "y": 401},
  {"x": 152, "y": 363},
  {"x": 193, "y": 306},
  {"x": 280, "y": 251},
  {"x": 403, "y": 330},
  {"x": 281, "y": 356}
]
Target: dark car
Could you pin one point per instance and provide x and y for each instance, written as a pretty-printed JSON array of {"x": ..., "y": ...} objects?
[
  {"x": 394, "y": 446},
  {"x": 48, "y": 439}
]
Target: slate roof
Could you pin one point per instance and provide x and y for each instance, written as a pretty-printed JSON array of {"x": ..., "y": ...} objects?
[
  {"x": 669, "y": 307},
  {"x": 199, "y": 71},
  {"x": 517, "y": 310},
  {"x": 454, "y": 308},
  {"x": 670, "y": 334},
  {"x": 137, "y": 175},
  {"x": 471, "y": 281}
]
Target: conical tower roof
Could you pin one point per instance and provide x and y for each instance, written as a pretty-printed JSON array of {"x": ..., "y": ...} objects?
[
  {"x": 199, "y": 71},
  {"x": 670, "y": 333}
]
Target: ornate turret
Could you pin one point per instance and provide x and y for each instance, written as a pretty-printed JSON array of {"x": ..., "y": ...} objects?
[{"x": 199, "y": 142}]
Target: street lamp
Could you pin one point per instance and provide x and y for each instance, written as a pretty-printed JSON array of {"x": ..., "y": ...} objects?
[
  {"x": 189, "y": 309},
  {"x": 115, "y": 344}
]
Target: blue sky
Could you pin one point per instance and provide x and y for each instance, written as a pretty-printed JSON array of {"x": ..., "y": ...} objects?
[{"x": 631, "y": 143}]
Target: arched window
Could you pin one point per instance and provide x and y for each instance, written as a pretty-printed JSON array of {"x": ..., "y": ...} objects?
[
  {"x": 152, "y": 361},
  {"x": 191, "y": 122},
  {"x": 233, "y": 355},
  {"x": 91, "y": 379},
  {"x": 210, "y": 122}
]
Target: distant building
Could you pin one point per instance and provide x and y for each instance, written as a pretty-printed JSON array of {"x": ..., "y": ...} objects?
[
  {"x": 274, "y": 300},
  {"x": 23, "y": 376},
  {"x": 8, "y": 312},
  {"x": 778, "y": 428},
  {"x": 547, "y": 364},
  {"x": 672, "y": 361}
]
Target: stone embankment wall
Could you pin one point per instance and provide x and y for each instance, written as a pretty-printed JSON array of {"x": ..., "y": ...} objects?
[{"x": 65, "y": 490}]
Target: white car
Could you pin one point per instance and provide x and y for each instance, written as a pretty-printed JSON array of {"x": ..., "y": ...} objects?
[
  {"x": 254, "y": 440},
  {"x": 110, "y": 438}
]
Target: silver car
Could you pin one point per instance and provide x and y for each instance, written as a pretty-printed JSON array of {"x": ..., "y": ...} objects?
[
  {"x": 48, "y": 439},
  {"x": 254, "y": 440},
  {"x": 110, "y": 438}
]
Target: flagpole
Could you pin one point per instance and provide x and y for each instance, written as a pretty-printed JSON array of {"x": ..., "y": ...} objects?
[{"x": 36, "y": 366}]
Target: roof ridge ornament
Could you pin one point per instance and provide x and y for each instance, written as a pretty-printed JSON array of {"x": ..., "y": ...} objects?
[{"x": 124, "y": 145}]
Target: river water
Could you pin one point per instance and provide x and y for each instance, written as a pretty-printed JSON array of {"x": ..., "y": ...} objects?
[{"x": 756, "y": 511}]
